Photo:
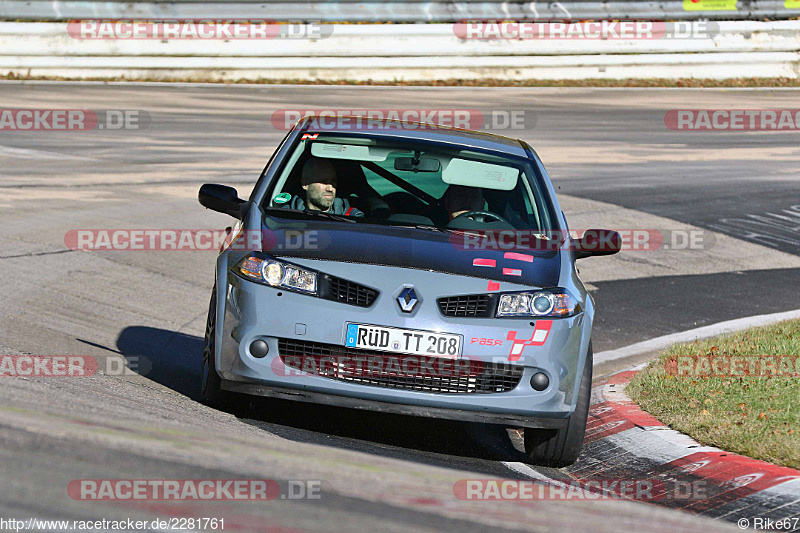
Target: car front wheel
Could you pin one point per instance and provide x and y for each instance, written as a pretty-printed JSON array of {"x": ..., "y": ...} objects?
[
  {"x": 561, "y": 447},
  {"x": 211, "y": 392}
]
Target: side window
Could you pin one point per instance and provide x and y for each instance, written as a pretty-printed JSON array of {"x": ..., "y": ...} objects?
[{"x": 269, "y": 164}]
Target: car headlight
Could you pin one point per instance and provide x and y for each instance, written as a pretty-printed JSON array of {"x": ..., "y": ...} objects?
[
  {"x": 555, "y": 303},
  {"x": 278, "y": 274}
]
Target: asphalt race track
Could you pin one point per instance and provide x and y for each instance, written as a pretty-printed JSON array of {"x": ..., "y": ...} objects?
[{"x": 608, "y": 151}]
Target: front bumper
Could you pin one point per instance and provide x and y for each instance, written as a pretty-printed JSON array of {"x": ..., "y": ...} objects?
[
  {"x": 393, "y": 408},
  {"x": 249, "y": 311}
]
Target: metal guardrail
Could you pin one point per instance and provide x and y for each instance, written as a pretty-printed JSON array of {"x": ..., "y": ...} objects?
[
  {"x": 402, "y": 10},
  {"x": 404, "y": 52}
]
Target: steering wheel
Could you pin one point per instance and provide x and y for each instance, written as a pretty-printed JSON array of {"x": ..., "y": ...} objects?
[{"x": 481, "y": 217}]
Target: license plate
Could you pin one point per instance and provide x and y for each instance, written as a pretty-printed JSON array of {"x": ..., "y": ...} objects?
[{"x": 407, "y": 341}]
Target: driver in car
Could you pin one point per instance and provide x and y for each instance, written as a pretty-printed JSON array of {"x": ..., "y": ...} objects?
[
  {"x": 460, "y": 199},
  {"x": 319, "y": 181}
]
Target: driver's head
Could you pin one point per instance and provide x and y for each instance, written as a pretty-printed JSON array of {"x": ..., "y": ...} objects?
[
  {"x": 460, "y": 199},
  {"x": 319, "y": 182}
]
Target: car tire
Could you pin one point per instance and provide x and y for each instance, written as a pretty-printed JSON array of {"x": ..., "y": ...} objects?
[
  {"x": 560, "y": 447},
  {"x": 211, "y": 392}
]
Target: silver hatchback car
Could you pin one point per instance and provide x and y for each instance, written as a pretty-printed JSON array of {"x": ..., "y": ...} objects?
[{"x": 406, "y": 268}]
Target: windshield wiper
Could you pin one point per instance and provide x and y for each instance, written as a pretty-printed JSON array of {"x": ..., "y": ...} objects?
[
  {"x": 429, "y": 228},
  {"x": 323, "y": 214},
  {"x": 332, "y": 216}
]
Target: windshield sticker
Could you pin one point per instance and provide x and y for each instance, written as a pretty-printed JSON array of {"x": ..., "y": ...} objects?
[{"x": 282, "y": 198}]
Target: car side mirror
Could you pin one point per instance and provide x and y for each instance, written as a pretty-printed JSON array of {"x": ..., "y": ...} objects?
[
  {"x": 596, "y": 242},
  {"x": 221, "y": 198}
]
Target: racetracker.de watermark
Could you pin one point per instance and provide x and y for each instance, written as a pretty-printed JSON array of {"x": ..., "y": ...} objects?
[
  {"x": 195, "y": 489},
  {"x": 73, "y": 119},
  {"x": 408, "y": 119},
  {"x": 199, "y": 29},
  {"x": 724, "y": 366},
  {"x": 73, "y": 365},
  {"x": 604, "y": 30},
  {"x": 193, "y": 240},
  {"x": 381, "y": 366},
  {"x": 601, "y": 489},
  {"x": 633, "y": 240},
  {"x": 733, "y": 119},
  {"x": 47, "y": 365}
]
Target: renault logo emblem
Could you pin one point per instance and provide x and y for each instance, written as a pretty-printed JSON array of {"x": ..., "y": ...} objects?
[{"x": 407, "y": 300}]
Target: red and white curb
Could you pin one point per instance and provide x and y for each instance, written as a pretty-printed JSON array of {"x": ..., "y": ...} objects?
[{"x": 624, "y": 442}]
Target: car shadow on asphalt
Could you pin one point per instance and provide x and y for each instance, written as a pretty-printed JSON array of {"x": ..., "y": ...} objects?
[
  {"x": 174, "y": 359},
  {"x": 167, "y": 357},
  {"x": 446, "y": 443}
]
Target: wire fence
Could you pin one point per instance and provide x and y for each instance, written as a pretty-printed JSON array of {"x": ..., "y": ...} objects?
[
  {"x": 403, "y": 11},
  {"x": 423, "y": 52}
]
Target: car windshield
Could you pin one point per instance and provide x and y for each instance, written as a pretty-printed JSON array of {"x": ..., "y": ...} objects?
[{"x": 410, "y": 183}]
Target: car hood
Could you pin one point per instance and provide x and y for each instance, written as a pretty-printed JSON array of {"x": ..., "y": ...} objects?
[{"x": 374, "y": 244}]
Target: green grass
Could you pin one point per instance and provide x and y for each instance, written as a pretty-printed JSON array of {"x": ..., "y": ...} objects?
[
  {"x": 751, "y": 415},
  {"x": 485, "y": 82}
]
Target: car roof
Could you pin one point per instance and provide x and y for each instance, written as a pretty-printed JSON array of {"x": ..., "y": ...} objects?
[{"x": 402, "y": 129}]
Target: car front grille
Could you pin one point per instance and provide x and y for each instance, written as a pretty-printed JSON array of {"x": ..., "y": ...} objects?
[
  {"x": 471, "y": 305},
  {"x": 348, "y": 292},
  {"x": 399, "y": 371}
]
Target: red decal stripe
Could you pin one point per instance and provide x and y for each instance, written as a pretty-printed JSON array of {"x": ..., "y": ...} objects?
[{"x": 519, "y": 257}]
